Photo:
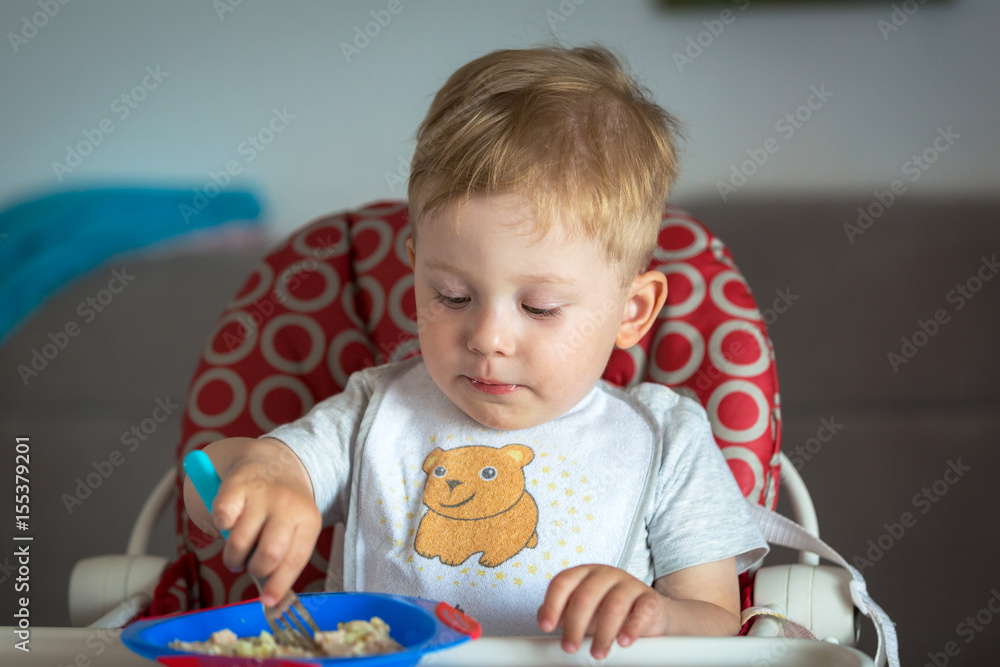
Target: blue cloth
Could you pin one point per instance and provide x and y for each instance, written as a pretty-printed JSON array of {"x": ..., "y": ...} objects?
[{"x": 47, "y": 242}]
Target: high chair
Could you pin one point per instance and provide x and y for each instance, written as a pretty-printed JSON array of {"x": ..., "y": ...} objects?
[{"x": 337, "y": 297}]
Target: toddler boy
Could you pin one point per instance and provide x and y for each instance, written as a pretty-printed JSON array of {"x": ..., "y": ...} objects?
[{"x": 497, "y": 471}]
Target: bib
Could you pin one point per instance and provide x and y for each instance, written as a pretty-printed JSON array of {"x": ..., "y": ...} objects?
[{"x": 447, "y": 509}]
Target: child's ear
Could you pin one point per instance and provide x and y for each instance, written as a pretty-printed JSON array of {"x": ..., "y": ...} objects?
[
  {"x": 646, "y": 297},
  {"x": 409, "y": 249}
]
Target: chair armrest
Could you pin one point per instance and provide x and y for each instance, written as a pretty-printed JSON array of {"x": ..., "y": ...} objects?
[
  {"x": 99, "y": 584},
  {"x": 817, "y": 597}
]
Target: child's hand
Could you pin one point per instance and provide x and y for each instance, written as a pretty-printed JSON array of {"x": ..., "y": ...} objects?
[
  {"x": 605, "y": 601},
  {"x": 265, "y": 499},
  {"x": 610, "y": 603}
]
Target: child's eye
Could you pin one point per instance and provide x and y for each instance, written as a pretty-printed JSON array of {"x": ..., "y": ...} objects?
[
  {"x": 451, "y": 301},
  {"x": 542, "y": 312}
]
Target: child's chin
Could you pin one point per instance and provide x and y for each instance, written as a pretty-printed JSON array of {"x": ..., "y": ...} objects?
[{"x": 510, "y": 419}]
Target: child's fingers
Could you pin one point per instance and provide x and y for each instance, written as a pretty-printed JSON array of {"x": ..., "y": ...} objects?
[
  {"x": 647, "y": 617},
  {"x": 611, "y": 615},
  {"x": 560, "y": 588},
  {"x": 228, "y": 506},
  {"x": 243, "y": 529},
  {"x": 197, "y": 512},
  {"x": 270, "y": 559},
  {"x": 582, "y": 607},
  {"x": 272, "y": 546},
  {"x": 301, "y": 546}
]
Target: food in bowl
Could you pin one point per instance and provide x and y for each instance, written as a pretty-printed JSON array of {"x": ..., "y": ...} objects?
[{"x": 350, "y": 639}]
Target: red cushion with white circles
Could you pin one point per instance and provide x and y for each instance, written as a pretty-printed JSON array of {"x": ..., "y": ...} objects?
[{"x": 338, "y": 297}]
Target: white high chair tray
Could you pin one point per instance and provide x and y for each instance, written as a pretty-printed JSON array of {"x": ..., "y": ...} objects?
[
  {"x": 658, "y": 651},
  {"x": 79, "y": 646}
]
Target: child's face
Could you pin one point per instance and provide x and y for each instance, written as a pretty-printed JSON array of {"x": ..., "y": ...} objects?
[{"x": 514, "y": 329}]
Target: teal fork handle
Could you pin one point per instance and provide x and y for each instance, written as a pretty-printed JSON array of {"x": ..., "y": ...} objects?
[{"x": 202, "y": 474}]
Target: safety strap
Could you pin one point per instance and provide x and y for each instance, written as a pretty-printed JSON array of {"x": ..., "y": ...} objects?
[
  {"x": 788, "y": 626},
  {"x": 786, "y": 533}
]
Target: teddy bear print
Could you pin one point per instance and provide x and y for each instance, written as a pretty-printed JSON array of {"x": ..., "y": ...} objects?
[{"x": 477, "y": 502}]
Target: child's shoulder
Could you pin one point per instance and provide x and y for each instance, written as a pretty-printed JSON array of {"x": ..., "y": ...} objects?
[
  {"x": 661, "y": 398},
  {"x": 674, "y": 411}
]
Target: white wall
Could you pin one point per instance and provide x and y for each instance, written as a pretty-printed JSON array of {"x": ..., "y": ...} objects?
[{"x": 354, "y": 121}]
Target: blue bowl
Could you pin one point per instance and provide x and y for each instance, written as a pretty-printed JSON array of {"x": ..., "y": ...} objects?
[{"x": 420, "y": 626}]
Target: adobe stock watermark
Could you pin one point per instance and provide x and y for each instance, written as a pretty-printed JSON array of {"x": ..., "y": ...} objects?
[
  {"x": 901, "y": 13},
  {"x": 37, "y": 21},
  {"x": 130, "y": 439},
  {"x": 363, "y": 35},
  {"x": 264, "y": 308},
  {"x": 805, "y": 451},
  {"x": 400, "y": 176},
  {"x": 578, "y": 338},
  {"x": 223, "y": 7},
  {"x": 248, "y": 149},
  {"x": 913, "y": 168},
  {"x": 968, "y": 629},
  {"x": 774, "y": 653},
  {"x": 122, "y": 107},
  {"x": 959, "y": 296},
  {"x": 783, "y": 301},
  {"x": 697, "y": 44},
  {"x": 923, "y": 501},
  {"x": 100, "y": 640},
  {"x": 87, "y": 310},
  {"x": 565, "y": 9},
  {"x": 786, "y": 127}
]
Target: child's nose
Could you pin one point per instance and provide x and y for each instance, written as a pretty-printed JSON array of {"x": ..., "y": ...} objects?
[{"x": 491, "y": 334}]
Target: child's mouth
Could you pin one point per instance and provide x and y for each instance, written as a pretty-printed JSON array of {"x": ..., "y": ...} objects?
[{"x": 492, "y": 386}]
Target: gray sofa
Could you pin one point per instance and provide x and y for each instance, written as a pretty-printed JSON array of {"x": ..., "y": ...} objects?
[{"x": 874, "y": 435}]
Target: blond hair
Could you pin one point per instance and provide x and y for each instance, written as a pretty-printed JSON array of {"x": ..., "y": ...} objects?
[{"x": 569, "y": 129}]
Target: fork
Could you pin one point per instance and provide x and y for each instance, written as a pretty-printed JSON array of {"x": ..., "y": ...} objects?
[{"x": 288, "y": 619}]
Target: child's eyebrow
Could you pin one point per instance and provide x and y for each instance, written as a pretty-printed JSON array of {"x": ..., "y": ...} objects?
[
  {"x": 548, "y": 279},
  {"x": 530, "y": 278}
]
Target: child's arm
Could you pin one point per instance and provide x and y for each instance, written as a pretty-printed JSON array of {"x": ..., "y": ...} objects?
[
  {"x": 265, "y": 499},
  {"x": 609, "y": 603}
]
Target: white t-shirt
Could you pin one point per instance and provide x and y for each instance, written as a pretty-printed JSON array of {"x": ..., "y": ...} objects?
[{"x": 437, "y": 506}]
